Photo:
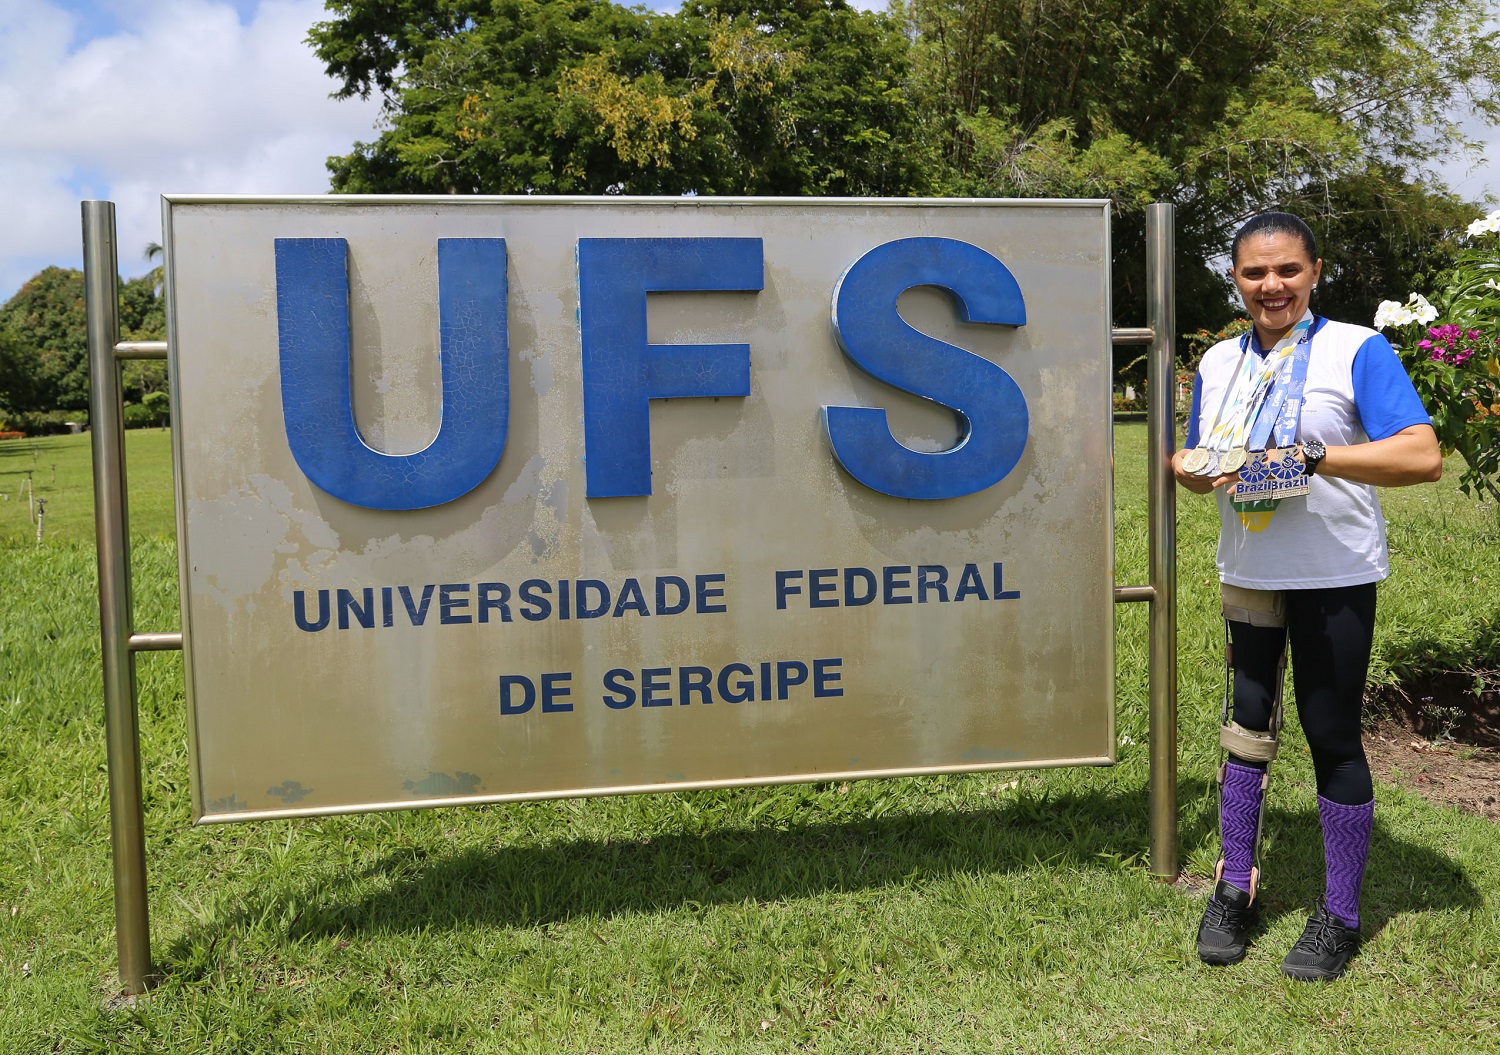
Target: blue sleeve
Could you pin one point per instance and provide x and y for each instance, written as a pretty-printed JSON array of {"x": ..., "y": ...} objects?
[
  {"x": 1191, "y": 439},
  {"x": 1383, "y": 395}
]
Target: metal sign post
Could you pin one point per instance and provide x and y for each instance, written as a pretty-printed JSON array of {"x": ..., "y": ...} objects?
[
  {"x": 122, "y": 735},
  {"x": 1161, "y": 314}
]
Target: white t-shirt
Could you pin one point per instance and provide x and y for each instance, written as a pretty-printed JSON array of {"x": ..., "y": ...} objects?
[{"x": 1356, "y": 391}]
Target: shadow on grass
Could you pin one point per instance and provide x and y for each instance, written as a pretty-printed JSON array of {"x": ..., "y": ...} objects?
[
  {"x": 423, "y": 889},
  {"x": 1401, "y": 876}
]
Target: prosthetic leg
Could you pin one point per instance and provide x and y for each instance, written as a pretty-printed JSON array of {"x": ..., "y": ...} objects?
[{"x": 1259, "y": 608}]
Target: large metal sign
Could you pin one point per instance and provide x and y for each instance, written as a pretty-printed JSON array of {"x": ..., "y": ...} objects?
[{"x": 493, "y": 499}]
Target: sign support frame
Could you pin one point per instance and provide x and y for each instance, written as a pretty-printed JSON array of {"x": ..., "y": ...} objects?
[{"x": 119, "y": 642}]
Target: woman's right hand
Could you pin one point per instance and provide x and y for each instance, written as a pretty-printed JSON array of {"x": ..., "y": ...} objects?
[{"x": 1200, "y": 485}]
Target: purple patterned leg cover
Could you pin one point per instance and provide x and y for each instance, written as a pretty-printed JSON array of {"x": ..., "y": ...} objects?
[
  {"x": 1239, "y": 815},
  {"x": 1346, "y": 847}
]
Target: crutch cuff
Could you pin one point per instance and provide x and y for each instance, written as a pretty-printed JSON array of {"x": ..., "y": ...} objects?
[
  {"x": 1248, "y": 744},
  {"x": 1256, "y": 607}
]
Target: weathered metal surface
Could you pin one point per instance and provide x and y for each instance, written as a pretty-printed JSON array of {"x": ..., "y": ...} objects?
[{"x": 407, "y": 711}]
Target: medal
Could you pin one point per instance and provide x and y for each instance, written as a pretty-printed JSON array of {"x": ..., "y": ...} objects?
[
  {"x": 1231, "y": 411},
  {"x": 1255, "y": 479},
  {"x": 1265, "y": 392},
  {"x": 1195, "y": 460},
  {"x": 1288, "y": 480}
]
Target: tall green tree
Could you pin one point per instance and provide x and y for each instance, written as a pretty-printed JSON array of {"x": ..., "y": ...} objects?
[
  {"x": 1223, "y": 107},
  {"x": 1335, "y": 109},
  {"x": 17, "y": 378},
  {"x": 589, "y": 97},
  {"x": 46, "y": 320},
  {"x": 1381, "y": 236},
  {"x": 44, "y": 343}
]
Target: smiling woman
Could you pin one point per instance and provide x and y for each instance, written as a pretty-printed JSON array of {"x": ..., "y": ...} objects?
[
  {"x": 1323, "y": 411},
  {"x": 1275, "y": 272}
]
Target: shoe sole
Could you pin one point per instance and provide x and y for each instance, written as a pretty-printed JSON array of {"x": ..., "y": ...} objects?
[
  {"x": 1312, "y": 974},
  {"x": 1221, "y": 957}
]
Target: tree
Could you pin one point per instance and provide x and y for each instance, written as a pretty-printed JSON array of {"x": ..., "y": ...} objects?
[
  {"x": 143, "y": 317},
  {"x": 1381, "y": 236},
  {"x": 1329, "y": 108},
  {"x": 1224, "y": 107},
  {"x": 46, "y": 319},
  {"x": 44, "y": 326},
  {"x": 17, "y": 378},
  {"x": 587, "y": 97}
]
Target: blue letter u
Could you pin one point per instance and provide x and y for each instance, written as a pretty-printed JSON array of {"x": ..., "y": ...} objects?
[{"x": 312, "y": 309}]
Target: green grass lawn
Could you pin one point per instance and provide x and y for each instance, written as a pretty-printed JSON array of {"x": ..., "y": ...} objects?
[
  {"x": 61, "y": 474},
  {"x": 987, "y": 913}
]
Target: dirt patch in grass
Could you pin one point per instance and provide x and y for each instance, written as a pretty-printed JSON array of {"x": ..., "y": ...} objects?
[{"x": 1439, "y": 736}]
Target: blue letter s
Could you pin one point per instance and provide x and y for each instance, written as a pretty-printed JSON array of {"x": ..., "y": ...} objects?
[{"x": 988, "y": 401}]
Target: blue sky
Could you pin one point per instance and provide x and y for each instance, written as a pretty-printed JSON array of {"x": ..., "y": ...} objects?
[{"x": 130, "y": 99}]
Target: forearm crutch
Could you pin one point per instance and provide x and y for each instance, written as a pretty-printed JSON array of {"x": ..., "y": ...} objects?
[{"x": 1258, "y": 608}]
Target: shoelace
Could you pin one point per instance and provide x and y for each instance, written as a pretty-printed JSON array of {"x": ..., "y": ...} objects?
[
  {"x": 1220, "y": 913},
  {"x": 1322, "y": 934}
]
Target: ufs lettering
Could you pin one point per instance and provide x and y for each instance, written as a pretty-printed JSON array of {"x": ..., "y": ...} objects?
[{"x": 623, "y": 372}]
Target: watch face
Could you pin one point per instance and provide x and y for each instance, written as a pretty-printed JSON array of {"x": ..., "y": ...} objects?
[{"x": 1312, "y": 453}]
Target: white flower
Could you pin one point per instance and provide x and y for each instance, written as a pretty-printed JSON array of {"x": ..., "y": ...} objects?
[
  {"x": 1416, "y": 309},
  {"x": 1492, "y": 284},
  {"x": 1385, "y": 315},
  {"x": 1485, "y": 225}
]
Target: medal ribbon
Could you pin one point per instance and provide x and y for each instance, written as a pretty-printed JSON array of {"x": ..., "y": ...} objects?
[
  {"x": 1236, "y": 400},
  {"x": 1282, "y": 407}
]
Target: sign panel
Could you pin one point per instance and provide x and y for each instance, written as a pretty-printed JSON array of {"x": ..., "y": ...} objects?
[{"x": 490, "y": 499}]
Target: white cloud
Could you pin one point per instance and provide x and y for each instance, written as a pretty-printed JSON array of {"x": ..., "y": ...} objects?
[{"x": 175, "y": 96}]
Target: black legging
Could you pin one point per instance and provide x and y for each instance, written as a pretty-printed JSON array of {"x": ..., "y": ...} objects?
[{"x": 1331, "y": 631}]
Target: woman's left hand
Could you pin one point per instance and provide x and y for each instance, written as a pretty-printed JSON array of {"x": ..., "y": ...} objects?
[{"x": 1411, "y": 456}]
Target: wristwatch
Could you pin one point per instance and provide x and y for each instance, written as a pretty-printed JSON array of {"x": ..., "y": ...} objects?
[{"x": 1313, "y": 452}]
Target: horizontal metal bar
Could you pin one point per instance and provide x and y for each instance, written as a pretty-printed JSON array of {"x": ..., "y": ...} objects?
[
  {"x": 1132, "y": 335},
  {"x": 156, "y": 642},
  {"x": 1125, "y": 594},
  {"x": 141, "y": 350}
]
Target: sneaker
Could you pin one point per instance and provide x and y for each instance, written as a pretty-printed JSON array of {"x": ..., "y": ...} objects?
[
  {"x": 1324, "y": 949},
  {"x": 1224, "y": 933}
]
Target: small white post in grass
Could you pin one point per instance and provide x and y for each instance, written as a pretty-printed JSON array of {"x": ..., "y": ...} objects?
[{"x": 41, "y": 510}]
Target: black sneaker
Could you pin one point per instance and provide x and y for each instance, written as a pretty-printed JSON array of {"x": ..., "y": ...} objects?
[
  {"x": 1324, "y": 949},
  {"x": 1224, "y": 933}
]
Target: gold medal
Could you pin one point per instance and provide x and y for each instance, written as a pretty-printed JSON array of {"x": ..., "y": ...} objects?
[
  {"x": 1195, "y": 460},
  {"x": 1232, "y": 460}
]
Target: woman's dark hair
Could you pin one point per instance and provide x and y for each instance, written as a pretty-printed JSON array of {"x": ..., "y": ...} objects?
[{"x": 1268, "y": 223}]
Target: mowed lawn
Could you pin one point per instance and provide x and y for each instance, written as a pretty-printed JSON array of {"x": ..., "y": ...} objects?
[{"x": 997, "y": 912}]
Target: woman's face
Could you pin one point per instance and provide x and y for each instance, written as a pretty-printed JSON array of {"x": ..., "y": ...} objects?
[{"x": 1275, "y": 278}]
